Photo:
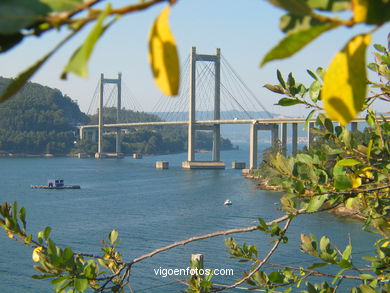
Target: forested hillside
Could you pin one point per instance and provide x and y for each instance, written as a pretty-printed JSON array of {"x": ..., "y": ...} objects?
[{"x": 38, "y": 120}]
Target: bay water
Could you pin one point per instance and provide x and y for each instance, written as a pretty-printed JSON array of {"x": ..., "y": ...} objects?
[{"x": 151, "y": 208}]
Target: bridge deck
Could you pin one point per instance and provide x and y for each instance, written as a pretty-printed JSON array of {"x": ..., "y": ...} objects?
[{"x": 211, "y": 122}]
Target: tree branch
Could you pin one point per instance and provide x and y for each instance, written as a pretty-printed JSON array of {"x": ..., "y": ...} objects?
[{"x": 258, "y": 267}]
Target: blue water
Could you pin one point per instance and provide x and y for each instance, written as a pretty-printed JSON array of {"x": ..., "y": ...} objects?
[{"x": 150, "y": 208}]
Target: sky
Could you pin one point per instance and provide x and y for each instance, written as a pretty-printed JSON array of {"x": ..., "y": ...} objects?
[{"x": 244, "y": 30}]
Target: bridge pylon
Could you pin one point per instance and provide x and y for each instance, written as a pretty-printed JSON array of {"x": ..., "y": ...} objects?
[
  {"x": 191, "y": 162},
  {"x": 118, "y": 83}
]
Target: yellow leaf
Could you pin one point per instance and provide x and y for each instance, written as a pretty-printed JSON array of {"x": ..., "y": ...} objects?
[
  {"x": 35, "y": 255},
  {"x": 356, "y": 181},
  {"x": 10, "y": 235},
  {"x": 359, "y": 8},
  {"x": 345, "y": 82},
  {"x": 385, "y": 244},
  {"x": 163, "y": 55}
]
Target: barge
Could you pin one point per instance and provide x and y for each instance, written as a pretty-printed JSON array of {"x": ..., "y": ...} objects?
[{"x": 56, "y": 184}]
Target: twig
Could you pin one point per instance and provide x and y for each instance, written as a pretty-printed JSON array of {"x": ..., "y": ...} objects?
[
  {"x": 258, "y": 267},
  {"x": 207, "y": 236}
]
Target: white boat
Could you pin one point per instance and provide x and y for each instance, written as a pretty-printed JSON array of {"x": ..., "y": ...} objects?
[{"x": 227, "y": 202}]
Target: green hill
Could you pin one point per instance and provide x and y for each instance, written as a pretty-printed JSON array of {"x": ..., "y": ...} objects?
[{"x": 38, "y": 120}]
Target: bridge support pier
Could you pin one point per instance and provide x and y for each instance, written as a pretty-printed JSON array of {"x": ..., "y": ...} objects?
[
  {"x": 275, "y": 136},
  {"x": 354, "y": 126},
  {"x": 100, "y": 129},
  {"x": 294, "y": 139},
  {"x": 284, "y": 139},
  {"x": 310, "y": 137},
  {"x": 253, "y": 146}
]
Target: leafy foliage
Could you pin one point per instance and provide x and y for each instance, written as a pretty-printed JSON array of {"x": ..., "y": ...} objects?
[
  {"x": 342, "y": 171},
  {"x": 342, "y": 168}
]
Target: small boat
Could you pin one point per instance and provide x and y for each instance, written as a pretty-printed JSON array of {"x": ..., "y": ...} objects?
[
  {"x": 227, "y": 202},
  {"x": 56, "y": 184}
]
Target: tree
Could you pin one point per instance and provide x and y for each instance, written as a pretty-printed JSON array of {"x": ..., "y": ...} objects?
[{"x": 342, "y": 173}]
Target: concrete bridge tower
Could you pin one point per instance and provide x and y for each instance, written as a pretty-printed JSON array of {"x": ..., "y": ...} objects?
[
  {"x": 118, "y": 83},
  {"x": 191, "y": 163}
]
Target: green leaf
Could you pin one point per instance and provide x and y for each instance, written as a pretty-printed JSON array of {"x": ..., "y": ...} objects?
[
  {"x": 276, "y": 277},
  {"x": 260, "y": 277},
  {"x": 113, "y": 236},
  {"x": 316, "y": 202},
  {"x": 330, "y": 5},
  {"x": 78, "y": 62},
  {"x": 347, "y": 163},
  {"x": 41, "y": 277},
  {"x": 366, "y": 276},
  {"x": 9, "y": 41},
  {"x": 305, "y": 172},
  {"x": 280, "y": 79},
  {"x": 314, "y": 90},
  {"x": 312, "y": 74},
  {"x": 28, "y": 239},
  {"x": 321, "y": 72},
  {"x": 81, "y": 284},
  {"x": 15, "y": 211},
  {"x": 16, "y": 15},
  {"x": 317, "y": 265},
  {"x": 68, "y": 254},
  {"x": 369, "y": 149},
  {"x": 309, "y": 245},
  {"x": 297, "y": 7},
  {"x": 342, "y": 182},
  {"x": 370, "y": 118},
  {"x": 347, "y": 252},
  {"x": 292, "y": 23},
  {"x": 285, "y": 102},
  {"x": 329, "y": 125},
  {"x": 263, "y": 225},
  {"x": 308, "y": 118},
  {"x": 380, "y": 48},
  {"x": 304, "y": 158},
  {"x": 63, "y": 5},
  {"x": 274, "y": 88},
  {"x": 22, "y": 214},
  {"x": 345, "y": 264},
  {"x": 324, "y": 243},
  {"x": 350, "y": 202},
  {"x": 292, "y": 43},
  {"x": 367, "y": 289},
  {"x": 46, "y": 233}
]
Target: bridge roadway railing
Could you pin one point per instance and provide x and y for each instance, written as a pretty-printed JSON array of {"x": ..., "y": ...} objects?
[
  {"x": 271, "y": 124},
  {"x": 228, "y": 121}
]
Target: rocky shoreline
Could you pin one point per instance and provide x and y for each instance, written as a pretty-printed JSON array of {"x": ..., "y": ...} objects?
[{"x": 263, "y": 184}]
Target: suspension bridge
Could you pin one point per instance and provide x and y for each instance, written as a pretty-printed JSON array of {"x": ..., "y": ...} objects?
[{"x": 211, "y": 94}]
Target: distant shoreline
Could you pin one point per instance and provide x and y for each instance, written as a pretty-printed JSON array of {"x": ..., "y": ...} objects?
[{"x": 4, "y": 154}]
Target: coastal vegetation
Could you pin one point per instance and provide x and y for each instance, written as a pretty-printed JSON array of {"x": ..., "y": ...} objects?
[{"x": 340, "y": 171}]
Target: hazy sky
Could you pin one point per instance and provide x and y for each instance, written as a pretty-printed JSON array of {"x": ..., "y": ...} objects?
[{"x": 244, "y": 30}]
